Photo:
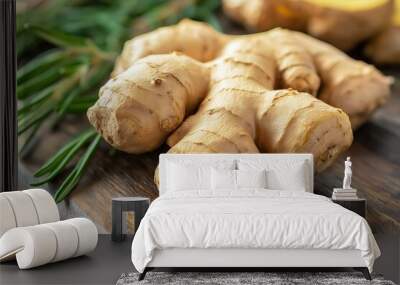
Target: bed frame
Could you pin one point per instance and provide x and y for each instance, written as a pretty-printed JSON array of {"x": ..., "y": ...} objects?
[
  {"x": 242, "y": 259},
  {"x": 245, "y": 259}
]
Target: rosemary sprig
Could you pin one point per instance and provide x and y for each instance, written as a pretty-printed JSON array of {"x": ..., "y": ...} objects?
[
  {"x": 30, "y": 140},
  {"x": 58, "y": 157},
  {"x": 39, "y": 64},
  {"x": 81, "y": 104},
  {"x": 34, "y": 117},
  {"x": 35, "y": 100},
  {"x": 44, "y": 79},
  {"x": 74, "y": 43},
  {"x": 73, "y": 178},
  {"x": 57, "y": 163}
]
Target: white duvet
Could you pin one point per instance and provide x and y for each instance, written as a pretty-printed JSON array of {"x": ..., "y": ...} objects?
[{"x": 254, "y": 218}]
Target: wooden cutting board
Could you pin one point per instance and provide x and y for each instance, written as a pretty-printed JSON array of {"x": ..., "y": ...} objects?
[{"x": 375, "y": 154}]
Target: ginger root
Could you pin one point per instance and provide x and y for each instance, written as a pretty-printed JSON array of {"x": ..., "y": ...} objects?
[
  {"x": 384, "y": 48},
  {"x": 354, "y": 86},
  {"x": 342, "y": 23},
  {"x": 137, "y": 110},
  {"x": 242, "y": 114},
  {"x": 235, "y": 79},
  {"x": 195, "y": 39}
]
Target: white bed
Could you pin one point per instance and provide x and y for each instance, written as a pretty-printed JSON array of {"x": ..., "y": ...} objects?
[{"x": 202, "y": 226}]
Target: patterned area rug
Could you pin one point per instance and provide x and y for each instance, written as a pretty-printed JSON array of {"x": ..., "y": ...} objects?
[{"x": 242, "y": 278}]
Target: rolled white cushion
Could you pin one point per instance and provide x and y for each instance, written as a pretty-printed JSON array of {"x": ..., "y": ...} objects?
[
  {"x": 23, "y": 209},
  {"x": 45, "y": 205},
  {"x": 66, "y": 238},
  {"x": 40, "y": 244},
  {"x": 7, "y": 219},
  {"x": 26, "y": 208},
  {"x": 87, "y": 235},
  {"x": 32, "y": 246}
]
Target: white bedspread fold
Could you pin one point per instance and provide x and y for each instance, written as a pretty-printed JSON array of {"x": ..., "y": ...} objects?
[{"x": 251, "y": 218}]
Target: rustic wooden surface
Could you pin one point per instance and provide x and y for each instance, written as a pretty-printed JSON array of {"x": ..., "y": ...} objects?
[{"x": 376, "y": 170}]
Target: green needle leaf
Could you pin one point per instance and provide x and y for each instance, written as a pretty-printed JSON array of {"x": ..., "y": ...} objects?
[
  {"x": 89, "y": 99},
  {"x": 46, "y": 78},
  {"x": 76, "y": 108},
  {"x": 94, "y": 77},
  {"x": 213, "y": 21},
  {"x": 58, "y": 157},
  {"x": 34, "y": 117},
  {"x": 29, "y": 141},
  {"x": 39, "y": 64},
  {"x": 35, "y": 100},
  {"x": 60, "y": 38},
  {"x": 70, "y": 41},
  {"x": 73, "y": 178},
  {"x": 65, "y": 159}
]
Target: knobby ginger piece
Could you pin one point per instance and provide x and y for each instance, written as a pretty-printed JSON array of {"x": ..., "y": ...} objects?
[
  {"x": 354, "y": 86},
  {"x": 303, "y": 63},
  {"x": 342, "y": 23},
  {"x": 195, "y": 39},
  {"x": 139, "y": 108},
  {"x": 384, "y": 48},
  {"x": 242, "y": 114},
  {"x": 251, "y": 93}
]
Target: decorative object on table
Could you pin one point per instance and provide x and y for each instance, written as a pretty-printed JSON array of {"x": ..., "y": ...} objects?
[
  {"x": 26, "y": 208},
  {"x": 346, "y": 193},
  {"x": 347, "y": 174},
  {"x": 358, "y": 206},
  {"x": 244, "y": 278},
  {"x": 31, "y": 231},
  {"x": 127, "y": 212},
  {"x": 46, "y": 243}
]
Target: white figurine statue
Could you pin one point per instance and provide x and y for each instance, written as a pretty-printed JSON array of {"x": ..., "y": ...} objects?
[{"x": 347, "y": 174}]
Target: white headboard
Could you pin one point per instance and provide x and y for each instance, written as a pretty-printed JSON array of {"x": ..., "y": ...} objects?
[{"x": 210, "y": 158}]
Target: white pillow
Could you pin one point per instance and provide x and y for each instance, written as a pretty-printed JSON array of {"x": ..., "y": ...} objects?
[
  {"x": 183, "y": 175},
  {"x": 251, "y": 178},
  {"x": 223, "y": 179},
  {"x": 281, "y": 175},
  {"x": 292, "y": 179}
]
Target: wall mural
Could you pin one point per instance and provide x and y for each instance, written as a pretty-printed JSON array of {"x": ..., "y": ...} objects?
[{"x": 105, "y": 87}]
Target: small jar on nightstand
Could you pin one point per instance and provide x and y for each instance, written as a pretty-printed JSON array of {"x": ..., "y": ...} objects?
[
  {"x": 127, "y": 212},
  {"x": 357, "y": 205}
]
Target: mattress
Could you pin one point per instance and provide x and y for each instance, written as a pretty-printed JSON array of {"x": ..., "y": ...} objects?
[{"x": 250, "y": 219}]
